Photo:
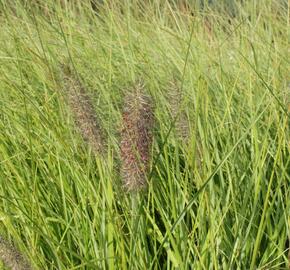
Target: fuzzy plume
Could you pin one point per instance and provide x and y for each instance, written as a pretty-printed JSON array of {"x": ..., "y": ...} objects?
[
  {"x": 181, "y": 126},
  {"x": 136, "y": 138},
  {"x": 11, "y": 257},
  {"x": 175, "y": 101},
  {"x": 83, "y": 111}
]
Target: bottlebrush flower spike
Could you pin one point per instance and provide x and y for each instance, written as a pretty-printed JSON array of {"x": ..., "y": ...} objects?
[
  {"x": 136, "y": 138},
  {"x": 175, "y": 102},
  {"x": 83, "y": 111},
  {"x": 11, "y": 257}
]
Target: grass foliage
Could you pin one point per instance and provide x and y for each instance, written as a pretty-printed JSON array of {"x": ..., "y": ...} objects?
[{"x": 219, "y": 199}]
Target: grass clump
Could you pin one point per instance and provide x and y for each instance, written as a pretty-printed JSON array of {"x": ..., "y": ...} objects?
[{"x": 65, "y": 207}]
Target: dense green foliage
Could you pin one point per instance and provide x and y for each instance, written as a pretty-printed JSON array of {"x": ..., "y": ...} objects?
[{"x": 218, "y": 197}]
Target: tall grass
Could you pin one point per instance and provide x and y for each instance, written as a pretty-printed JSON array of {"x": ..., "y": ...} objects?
[{"x": 219, "y": 199}]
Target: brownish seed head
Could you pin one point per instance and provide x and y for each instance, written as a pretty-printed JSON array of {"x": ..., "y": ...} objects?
[
  {"x": 11, "y": 257},
  {"x": 136, "y": 138},
  {"x": 83, "y": 111},
  {"x": 178, "y": 114},
  {"x": 175, "y": 102}
]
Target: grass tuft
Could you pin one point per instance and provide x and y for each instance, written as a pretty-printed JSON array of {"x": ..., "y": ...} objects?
[{"x": 218, "y": 194}]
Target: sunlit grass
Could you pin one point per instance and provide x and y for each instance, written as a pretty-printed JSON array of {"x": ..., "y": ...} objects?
[{"x": 218, "y": 199}]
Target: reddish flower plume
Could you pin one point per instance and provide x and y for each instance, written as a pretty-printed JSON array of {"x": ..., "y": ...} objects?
[{"x": 136, "y": 138}]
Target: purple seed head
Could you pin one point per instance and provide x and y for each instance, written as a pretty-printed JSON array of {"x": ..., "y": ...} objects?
[
  {"x": 83, "y": 112},
  {"x": 136, "y": 138}
]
